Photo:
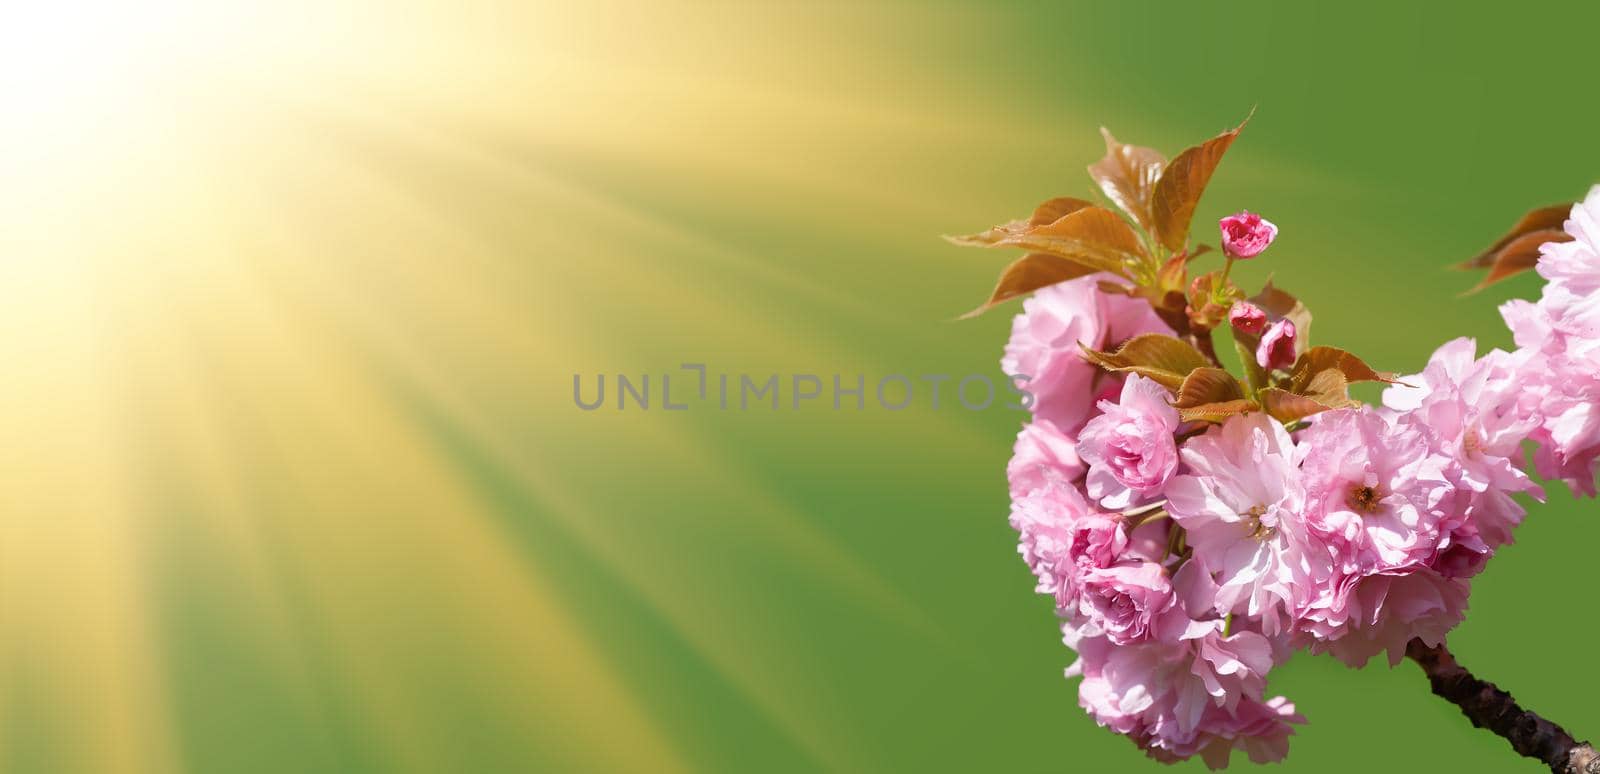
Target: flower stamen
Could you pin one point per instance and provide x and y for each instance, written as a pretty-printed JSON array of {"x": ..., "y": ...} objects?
[
  {"x": 1258, "y": 529},
  {"x": 1363, "y": 499}
]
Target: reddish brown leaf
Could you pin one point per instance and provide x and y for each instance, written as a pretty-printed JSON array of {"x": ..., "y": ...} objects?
[
  {"x": 1128, "y": 176},
  {"x": 1178, "y": 191},
  {"x": 1208, "y": 385},
  {"x": 1329, "y": 388},
  {"x": 1287, "y": 407},
  {"x": 1174, "y": 274},
  {"x": 1043, "y": 215},
  {"x": 1519, "y": 255},
  {"x": 1163, "y": 358},
  {"x": 1218, "y": 412},
  {"x": 1092, "y": 236},
  {"x": 1056, "y": 209},
  {"x": 990, "y": 237},
  {"x": 1027, "y": 274},
  {"x": 1542, "y": 219},
  {"x": 1316, "y": 360}
]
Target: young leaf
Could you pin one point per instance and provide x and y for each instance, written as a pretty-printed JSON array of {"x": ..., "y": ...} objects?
[
  {"x": 1128, "y": 176},
  {"x": 1056, "y": 209},
  {"x": 1543, "y": 219},
  {"x": 1027, "y": 274},
  {"x": 1208, "y": 303},
  {"x": 1092, "y": 236},
  {"x": 1287, "y": 407},
  {"x": 1208, "y": 385},
  {"x": 1329, "y": 388},
  {"x": 1178, "y": 191},
  {"x": 1088, "y": 235},
  {"x": 991, "y": 237},
  {"x": 1319, "y": 359},
  {"x": 1217, "y": 412},
  {"x": 1519, "y": 255},
  {"x": 1163, "y": 358},
  {"x": 1174, "y": 274}
]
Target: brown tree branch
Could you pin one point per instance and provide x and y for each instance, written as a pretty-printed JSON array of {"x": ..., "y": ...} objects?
[{"x": 1489, "y": 707}]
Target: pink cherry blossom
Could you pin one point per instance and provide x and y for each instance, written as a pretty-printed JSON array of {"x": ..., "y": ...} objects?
[
  {"x": 1260, "y": 728},
  {"x": 1559, "y": 381},
  {"x": 1474, "y": 411},
  {"x": 1061, "y": 535},
  {"x": 1386, "y": 504},
  {"x": 1042, "y": 455},
  {"x": 1241, "y": 506},
  {"x": 1559, "y": 346},
  {"x": 1199, "y": 695},
  {"x": 1359, "y": 617},
  {"x": 1573, "y": 268},
  {"x": 1129, "y": 447},
  {"x": 1128, "y": 603},
  {"x": 1045, "y": 342},
  {"x": 1277, "y": 347},
  {"x": 1246, "y": 234},
  {"x": 1376, "y": 492},
  {"x": 1463, "y": 552},
  {"x": 1247, "y": 318}
]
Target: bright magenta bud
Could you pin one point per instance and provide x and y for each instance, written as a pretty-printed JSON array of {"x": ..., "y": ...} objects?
[
  {"x": 1277, "y": 346},
  {"x": 1245, "y": 235},
  {"x": 1247, "y": 318}
]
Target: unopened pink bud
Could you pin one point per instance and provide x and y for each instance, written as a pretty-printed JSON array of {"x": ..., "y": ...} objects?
[
  {"x": 1247, "y": 317},
  {"x": 1277, "y": 346},
  {"x": 1246, "y": 234}
]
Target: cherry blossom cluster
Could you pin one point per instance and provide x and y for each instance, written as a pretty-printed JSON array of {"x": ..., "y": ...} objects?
[{"x": 1194, "y": 530}]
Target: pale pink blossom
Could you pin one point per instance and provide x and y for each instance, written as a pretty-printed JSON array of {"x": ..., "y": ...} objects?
[
  {"x": 1046, "y": 338},
  {"x": 1277, "y": 347},
  {"x": 1559, "y": 340},
  {"x": 1569, "y": 438},
  {"x": 1096, "y": 540},
  {"x": 1129, "y": 447},
  {"x": 1573, "y": 268},
  {"x": 1377, "y": 494},
  {"x": 1247, "y": 318},
  {"x": 1260, "y": 728},
  {"x": 1474, "y": 410},
  {"x": 1241, "y": 505},
  {"x": 1388, "y": 507},
  {"x": 1246, "y": 234},
  {"x": 1199, "y": 695},
  {"x": 1463, "y": 552},
  {"x": 1358, "y": 617},
  {"x": 1130, "y": 602},
  {"x": 1560, "y": 384},
  {"x": 1042, "y": 455},
  {"x": 1060, "y": 535}
]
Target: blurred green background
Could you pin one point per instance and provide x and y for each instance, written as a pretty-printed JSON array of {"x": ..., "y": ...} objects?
[{"x": 292, "y": 298}]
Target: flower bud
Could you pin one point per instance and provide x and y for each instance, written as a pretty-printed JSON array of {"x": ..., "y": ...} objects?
[
  {"x": 1246, "y": 234},
  {"x": 1247, "y": 318},
  {"x": 1277, "y": 346}
]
